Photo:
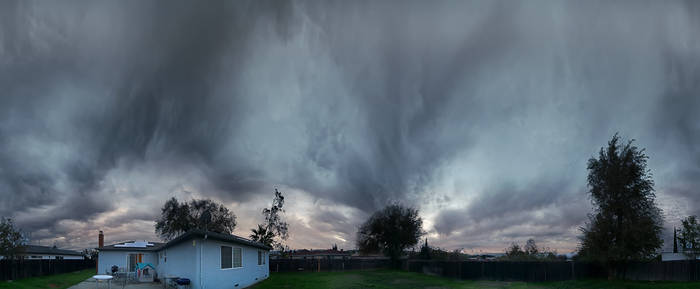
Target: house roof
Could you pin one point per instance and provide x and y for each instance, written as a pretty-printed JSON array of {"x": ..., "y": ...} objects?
[
  {"x": 45, "y": 250},
  {"x": 187, "y": 236},
  {"x": 118, "y": 247},
  {"x": 216, "y": 236}
]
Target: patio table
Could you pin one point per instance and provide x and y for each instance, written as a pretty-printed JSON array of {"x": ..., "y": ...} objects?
[{"x": 99, "y": 278}]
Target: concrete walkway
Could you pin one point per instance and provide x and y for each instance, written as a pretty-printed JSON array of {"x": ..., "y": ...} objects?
[{"x": 91, "y": 284}]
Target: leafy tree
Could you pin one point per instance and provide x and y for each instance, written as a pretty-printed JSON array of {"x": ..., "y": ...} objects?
[
  {"x": 335, "y": 247},
  {"x": 514, "y": 252},
  {"x": 531, "y": 248},
  {"x": 262, "y": 235},
  {"x": 10, "y": 238},
  {"x": 530, "y": 252},
  {"x": 690, "y": 236},
  {"x": 178, "y": 218},
  {"x": 390, "y": 231},
  {"x": 90, "y": 254},
  {"x": 626, "y": 224},
  {"x": 275, "y": 229}
]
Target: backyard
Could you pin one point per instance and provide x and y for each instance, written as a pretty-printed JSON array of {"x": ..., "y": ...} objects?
[
  {"x": 401, "y": 279},
  {"x": 57, "y": 281}
]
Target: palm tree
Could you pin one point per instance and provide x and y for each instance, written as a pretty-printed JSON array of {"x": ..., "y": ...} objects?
[{"x": 262, "y": 235}]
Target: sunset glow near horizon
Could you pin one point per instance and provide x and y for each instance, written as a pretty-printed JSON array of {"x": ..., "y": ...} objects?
[{"x": 481, "y": 114}]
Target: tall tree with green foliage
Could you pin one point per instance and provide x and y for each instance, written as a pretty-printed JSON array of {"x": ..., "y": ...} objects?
[
  {"x": 626, "y": 224},
  {"x": 262, "y": 235},
  {"x": 690, "y": 237},
  {"x": 274, "y": 230},
  {"x": 11, "y": 238},
  {"x": 390, "y": 231},
  {"x": 178, "y": 218}
]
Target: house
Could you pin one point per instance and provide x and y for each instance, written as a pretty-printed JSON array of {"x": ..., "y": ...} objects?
[
  {"x": 670, "y": 256},
  {"x": 35, "y": 252},
  {"x": 210, "y": 260},
  {"x": 319, "y": 254}
]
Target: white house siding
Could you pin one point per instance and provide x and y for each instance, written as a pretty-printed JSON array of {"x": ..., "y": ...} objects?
[
  {"x": 213, "y": 277},
  {"x": 107, "y": 259},
  {"x": 668, "y": 256},
  {"x": 179, "y": 260}
]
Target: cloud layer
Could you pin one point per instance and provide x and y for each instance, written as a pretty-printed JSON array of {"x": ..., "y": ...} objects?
[{"x": 482, "y": 113}]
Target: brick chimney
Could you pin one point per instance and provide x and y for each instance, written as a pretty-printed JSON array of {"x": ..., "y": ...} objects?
[{"x": 101, "y": 240}]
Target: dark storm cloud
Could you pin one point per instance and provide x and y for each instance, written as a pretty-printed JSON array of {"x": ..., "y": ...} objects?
[
  {"x": 148, "y": 73},
  {"x": 481, "y": 113},
  {"x": 510, "y": 205}
]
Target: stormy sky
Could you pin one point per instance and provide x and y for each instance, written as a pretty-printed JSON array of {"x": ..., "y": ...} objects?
[{"x": 482, "y": 114}]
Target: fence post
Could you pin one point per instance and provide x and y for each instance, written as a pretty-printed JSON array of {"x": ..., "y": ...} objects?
[{"x": 482, "y": 269}]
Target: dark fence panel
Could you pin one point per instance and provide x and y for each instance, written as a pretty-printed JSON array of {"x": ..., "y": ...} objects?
[
  {"x": 19, "y": 269},
  {"x": 315, "y": 265},
  {"x": 507, "y": 271},
  {"x": 682, "y": 270},
  {"x": 554, "y": 271}
]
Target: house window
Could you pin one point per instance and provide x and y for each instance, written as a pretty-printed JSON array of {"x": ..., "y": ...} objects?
[
  {"x": 259, "y": 258},
  {"x": 133, "y": 259},
  {"x": 264, "y": 255},
  {"x": 226, "y": 261},
  {"x": 237, "y": 258}
]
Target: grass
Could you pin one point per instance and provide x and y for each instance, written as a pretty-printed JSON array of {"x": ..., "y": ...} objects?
[
  {"x": 57, "y": 281},
  {"x": 381, "y": 279}
]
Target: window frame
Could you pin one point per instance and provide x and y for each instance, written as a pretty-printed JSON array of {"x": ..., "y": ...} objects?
[
  {"x": 221, "y": 256},
  {"x": 233, "y": 259},
  {"x": 233, "y": 263}
]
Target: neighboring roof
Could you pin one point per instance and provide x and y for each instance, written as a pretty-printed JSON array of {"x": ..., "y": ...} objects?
[
  {"x": 185, "y": 237},
  {"x": 304, "y": 252},
  {"x": 45, "y": 250}
]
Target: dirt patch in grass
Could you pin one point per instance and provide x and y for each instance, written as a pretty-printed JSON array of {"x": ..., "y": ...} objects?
[{"x": 401, "y": 281}]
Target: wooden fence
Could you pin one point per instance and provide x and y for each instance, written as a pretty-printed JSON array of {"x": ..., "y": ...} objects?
[
  {"x": 317, "y": 265},
  {"x": 19, "y": 269},
  {"x": 554, "y": 271}
]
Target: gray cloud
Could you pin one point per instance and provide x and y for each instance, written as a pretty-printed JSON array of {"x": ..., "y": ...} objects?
[{"x": 480, "y": 113}]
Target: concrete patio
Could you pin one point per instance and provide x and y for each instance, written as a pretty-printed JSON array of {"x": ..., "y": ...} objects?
[{"x": 91, "y": 284}]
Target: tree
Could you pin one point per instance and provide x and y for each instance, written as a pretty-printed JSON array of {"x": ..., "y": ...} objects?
[
  {"x": 178, "y": 218},
  {"x": 262, "y": 235},
  {"x": 690, "y": 236},
  {"x": 675, "y": 241},
  {"x": 390, "y": 231},
  {"x": 425, "y": 251},
  {"x": 531, "y": 248},
  {"x": 626, "y": 224},
  {"x": 10, "y": 238},
  {"x": 90, "y": 254},
  {"x": 530, "y": 252},
  {"x": 274, "y": 229}
]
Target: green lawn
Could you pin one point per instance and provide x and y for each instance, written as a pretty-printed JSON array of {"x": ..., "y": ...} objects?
[
  {"x": 58, "y": 281},
  {"x": 400, "y": 279}
]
